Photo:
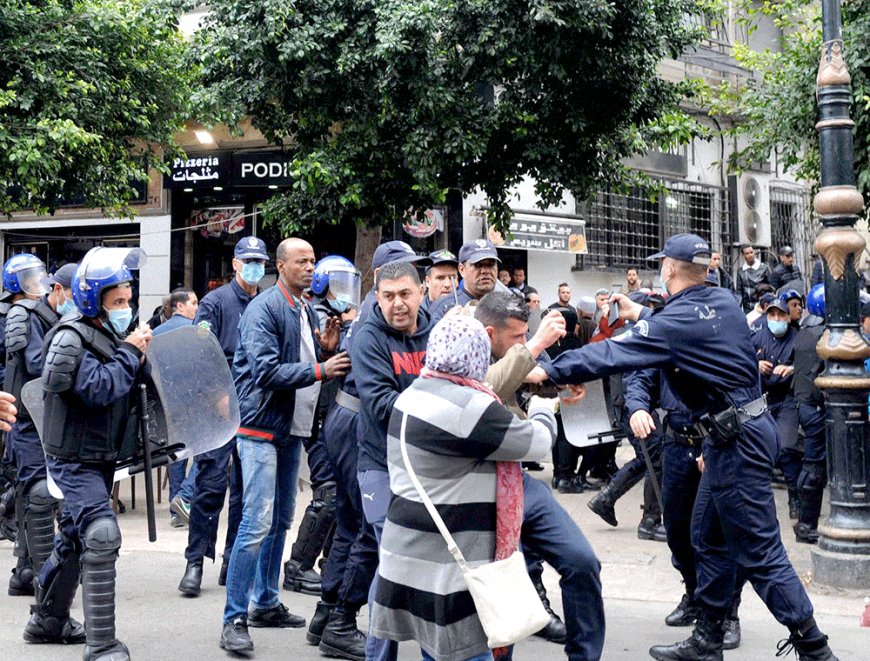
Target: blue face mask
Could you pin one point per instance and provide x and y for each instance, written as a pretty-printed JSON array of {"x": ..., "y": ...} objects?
[
  {"x": 662, "y": 279},
  {"x": 339, "y": 305},
  {"x": 66, "y": 307},
  {"x": 120, "y": 320},
  {"x": 778, "y": 328},
  {"x": 252, "y": 272}
]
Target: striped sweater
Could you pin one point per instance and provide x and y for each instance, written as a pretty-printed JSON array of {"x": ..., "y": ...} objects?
[{"x": 454, "y": 435}]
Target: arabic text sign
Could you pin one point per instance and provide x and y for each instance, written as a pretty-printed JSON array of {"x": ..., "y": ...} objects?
[
  {"x": 204, "y": 170},
  {"x": 542, "y": 233}
]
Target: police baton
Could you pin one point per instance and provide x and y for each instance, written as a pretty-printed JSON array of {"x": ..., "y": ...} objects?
[
  {"x": 652, "y": 474},
  {"x": 146, "y": 460}
]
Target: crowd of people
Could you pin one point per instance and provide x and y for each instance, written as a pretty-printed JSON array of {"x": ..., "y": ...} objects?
[{"x": 424, "y": 409}]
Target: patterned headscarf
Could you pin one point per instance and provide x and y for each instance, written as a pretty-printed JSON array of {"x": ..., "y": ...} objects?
[{"x": 459, "y": 345}]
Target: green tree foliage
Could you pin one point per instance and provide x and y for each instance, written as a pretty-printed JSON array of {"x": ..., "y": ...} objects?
[
  {"x": 388, "y": 104},
  {"x": 778, "y": 111},
  {"x": 89, "y": 91}
]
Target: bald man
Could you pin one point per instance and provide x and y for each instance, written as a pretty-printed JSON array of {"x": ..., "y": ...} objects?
[{"x": 279, "y": 365}]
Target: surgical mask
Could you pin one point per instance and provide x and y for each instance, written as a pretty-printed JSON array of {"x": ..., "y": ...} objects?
[
  {"x": 662, "y": 279},
  {"x": 338, "y": 305},
  {"x": 66, "y": 307},
  {"x": 120, "y": 320},
  {"x": 778, "y": 328},
  {"x": 252, "y": 272}
]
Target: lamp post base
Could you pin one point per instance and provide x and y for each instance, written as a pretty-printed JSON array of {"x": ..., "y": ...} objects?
[{"x": 841, "y": 570}]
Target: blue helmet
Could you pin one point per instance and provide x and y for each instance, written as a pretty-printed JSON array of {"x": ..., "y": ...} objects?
[
  {"x": 816, "y": 300},
  {"x": 102, "y": 269},
  {"x": 23, "y": 274},
  {"x": 787, "y": 294},
  {"x": 337, "y": 275}
]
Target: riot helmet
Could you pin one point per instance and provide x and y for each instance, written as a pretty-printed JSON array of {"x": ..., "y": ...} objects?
[
  {"x": 816, "y": 300},
  {"x": 101, "y": 269},
  {"x": 24, "y": 274},
  {"x": 337, "y": 275}
]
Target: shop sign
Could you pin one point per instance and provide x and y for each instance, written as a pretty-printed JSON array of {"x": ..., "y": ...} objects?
[
  {"x": 426, "y": 224},
  {"x": 198, "y": 171},
  {"x": 264, "y": 168},
  {"x": 548, "y": 233},
  {"x": 215, "y": 222}
]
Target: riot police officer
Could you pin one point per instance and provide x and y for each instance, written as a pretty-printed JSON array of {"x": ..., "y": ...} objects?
[
  {"x": 701, "y": 341},
  {"x": 8, "y": 525},
  {"x": 28, "y": 321},
  {"x": 92, "y": 364}
]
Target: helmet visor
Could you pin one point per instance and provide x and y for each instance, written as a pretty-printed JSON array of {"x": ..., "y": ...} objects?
[
  {"x": 32, "y": 280},
  {"x": 345, "y": 286},
  {"x": 101, "y": 263}
]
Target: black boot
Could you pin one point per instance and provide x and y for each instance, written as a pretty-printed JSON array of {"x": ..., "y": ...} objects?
[
  {"x": 555, "y": 630},
  {"x": 318, "y": 521},
  {"x": 604, "y": 501},
  {"x": 318, "y": 622},
  {"x": 794, "y": 504},
  {"x": 651, "y": 529},
  {"x": 222, "y": 577},
  {"x": 102, "y": 541},
  {"x": 804, "y": 534},
  {"x": 306, "y": 581},
  {"x": 705, "y": 643},
  {"x": 50, "y": 621},
  {"x": 341, "y": 638},
  {"x": 684, "y": 614},
  {"x": 731, "y": 625},
  {"x": 806, "y": 529},
  {"x": 191, "y": 582},
  {"x": 815, "y": 649},
  {"x": 21, "y": 581}
]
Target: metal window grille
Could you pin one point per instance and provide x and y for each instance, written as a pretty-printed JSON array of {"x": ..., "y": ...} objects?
[
  {"x": 792, "y": 223},
  {"x": 623, "y": 230}
]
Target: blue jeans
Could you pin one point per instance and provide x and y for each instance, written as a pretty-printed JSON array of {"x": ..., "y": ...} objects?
[
  {"x": 179, "y": 485},
  {"x": 269, "y": 474},
  {"x": 374, "y": 487},
  {"x": 479, "y": 657}
]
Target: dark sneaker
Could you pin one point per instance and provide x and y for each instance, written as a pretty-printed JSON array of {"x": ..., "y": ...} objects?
[
  {"x": 176, "y": 522},
  {"x": 805, "y": 533},
  {"x": 180, "y": 508},
  {"x": 235, "y": 637},
  {"x": 278, "y": 617},
  {"x": 731, "y": 641}
]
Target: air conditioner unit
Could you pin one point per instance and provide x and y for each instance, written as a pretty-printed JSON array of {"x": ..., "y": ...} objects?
[{"x": 750, "y": 208}]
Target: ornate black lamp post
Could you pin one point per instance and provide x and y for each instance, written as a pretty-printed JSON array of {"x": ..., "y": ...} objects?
[{"x": 842, "y": 558}]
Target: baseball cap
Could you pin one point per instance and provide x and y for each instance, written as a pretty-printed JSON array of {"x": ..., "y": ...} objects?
[
  {"x": 778, "y": 305},
  {"x": 63, "y": 276},
  {"x": 396, "y": 251},
  {"x": 251, "y": 248},
  {"x": 443, "y": 257},
  {"x": 786, "y": 250},
  {"x": 586, "y": 305},
  {"x": 766, "y": 299},
  {"x": 478, "y": 250},
  {"x": 686, "y": 248}
]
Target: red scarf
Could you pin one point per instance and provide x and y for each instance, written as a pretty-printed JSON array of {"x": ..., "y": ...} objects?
[{"x": 508, "y": 485}]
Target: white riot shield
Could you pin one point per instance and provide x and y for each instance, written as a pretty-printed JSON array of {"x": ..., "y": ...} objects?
[
  {"x": 193, "y": 406},
  {"x": 586, "y": 422}
]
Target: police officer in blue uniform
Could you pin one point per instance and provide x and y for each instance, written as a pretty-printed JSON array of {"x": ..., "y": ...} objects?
[
  {"x": 28, "y": 321},
  {"x": 774, "y": 348},
  {"x": 701, "y": 341},
  {"x": 222, "y": 308},
  {"x": 19, "y": 273},
  {"x": 91, "y": 368}
]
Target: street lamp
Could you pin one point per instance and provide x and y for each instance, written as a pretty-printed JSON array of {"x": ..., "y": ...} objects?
[{"x": 842, "y": 558}]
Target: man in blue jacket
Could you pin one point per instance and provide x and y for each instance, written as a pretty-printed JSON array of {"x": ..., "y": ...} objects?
[
  {"x": 222, "y": 309},
  {"x": 388, "y": 352},
  {"x": 277, "y": 370}
]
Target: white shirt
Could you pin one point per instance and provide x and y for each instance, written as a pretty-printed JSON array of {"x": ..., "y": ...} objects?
[{"x": 306, "y": 398}]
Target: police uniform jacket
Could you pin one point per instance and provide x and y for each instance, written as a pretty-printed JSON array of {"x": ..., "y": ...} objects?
[
  {"x": 807, "y": 364},
  {"x": 440, "y": 307},
  {"x": 222, "y": 308},
  {"x": 779, "y": 351},
  {"x": 699, "y": 339},
  {"x": 267, "y": 368}
]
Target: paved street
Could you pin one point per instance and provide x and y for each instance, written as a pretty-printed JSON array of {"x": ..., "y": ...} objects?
[{"x": 640, "y": 588}]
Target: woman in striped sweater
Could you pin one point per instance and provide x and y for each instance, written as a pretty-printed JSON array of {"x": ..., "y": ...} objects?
[{"x": 465, "y": 447}]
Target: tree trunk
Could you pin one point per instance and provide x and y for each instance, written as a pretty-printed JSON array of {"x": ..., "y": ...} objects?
[{"x": 367, "y": 240}]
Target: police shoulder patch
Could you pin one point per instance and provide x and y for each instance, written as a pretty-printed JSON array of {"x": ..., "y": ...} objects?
[{"x": 642, "y": 328}]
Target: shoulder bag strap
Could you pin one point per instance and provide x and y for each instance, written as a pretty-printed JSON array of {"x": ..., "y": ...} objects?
[{"x": 439, "y": 522}]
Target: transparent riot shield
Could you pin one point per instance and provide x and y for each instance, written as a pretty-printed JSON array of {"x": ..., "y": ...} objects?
[
  {"x": 192, "y": 403},
  {"x": 586, "y": 422}
]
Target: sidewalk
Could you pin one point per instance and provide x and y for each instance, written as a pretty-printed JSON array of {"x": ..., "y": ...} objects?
[{"x": 640, "y": 588}]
